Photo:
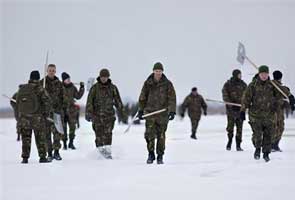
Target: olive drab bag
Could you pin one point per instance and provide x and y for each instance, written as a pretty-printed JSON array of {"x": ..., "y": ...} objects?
[{"x": 27, "y": 100}]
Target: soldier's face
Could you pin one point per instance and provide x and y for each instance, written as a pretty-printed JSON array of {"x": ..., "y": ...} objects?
[
  {"x": 240, "y": 76},
  {"x": 67, "y": 81},
  {"x": 195, "y": 93},
  {"x": 104, "y": 79},
  {"x": 263, "y": 76},
  {"x": 51, "y": 71},
  {"x": 158, "y": 74}
]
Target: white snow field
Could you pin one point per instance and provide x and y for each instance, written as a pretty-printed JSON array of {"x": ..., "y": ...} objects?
[{"x": 200, "y": 169}]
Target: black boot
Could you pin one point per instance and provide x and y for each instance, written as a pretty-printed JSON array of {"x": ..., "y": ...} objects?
[
  {"x": 50, "y": 157},
  {"x": 44, "y": 160},
  {"x": 257, "y": 154},
  {"x": 160, "y": 159},
  {"x": 266, "y": 157},
  {"x": 151, "y": 158},
  {"x": 25, "y": 161},
  {"x": 65, "y": 147},
  {"x": 275, "y": 147},
  {"x": 228, "y": 146},
  {"x": 238, "y": 143},
  {"x": 56, "y": 155},
  {"x": 193, "y": 135},
  {"x": 71, "y": 144}
]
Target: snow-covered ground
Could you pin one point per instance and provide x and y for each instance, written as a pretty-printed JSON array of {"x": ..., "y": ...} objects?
[{"x": 199, "y": 169}]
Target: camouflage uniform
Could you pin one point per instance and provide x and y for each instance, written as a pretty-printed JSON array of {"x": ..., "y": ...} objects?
[
  {"x": 54, "y": 88},
  {"x": 194, "y": 103},
  {"x": 156, "y": 96},
  {"x": 28, "y": 122},
  {"x": 232, "y": 92},
  {"x": 101, "y": 100},
  {"x": 280, "y": 118},
  {"x": 70, "y": 111},
  {"x": 262, "y": 99}
]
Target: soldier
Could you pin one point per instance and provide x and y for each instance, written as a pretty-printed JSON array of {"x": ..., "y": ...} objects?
[
  {"x": 280, "y": 125},
  {"x": 194, "y": 102},
  {"x": 232, "y": 91},
  {"x": 33, "y": 107},
  {"x": 70, "y": 111},
  {"x": 102, "y": 98},
  {"x": 13, "y": 105},
  {"x": 54, "y": 88},
  {"x": 261, "y": 98},
  {"x": 157, "y": 93}
]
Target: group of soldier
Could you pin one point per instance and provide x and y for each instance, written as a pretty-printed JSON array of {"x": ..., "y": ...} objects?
[{"x": 37, "y": 102}]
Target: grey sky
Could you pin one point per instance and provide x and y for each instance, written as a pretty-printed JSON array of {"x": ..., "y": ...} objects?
[{"x": 196, "y": 41}]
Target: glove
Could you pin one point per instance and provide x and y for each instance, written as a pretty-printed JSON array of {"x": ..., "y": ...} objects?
[
  {"x": 88, "y": 117},
  {"x": 292, "y": 102},
  {"x": 171, "y": 115},
  {"x": 242, "y": 115},
  {"x": 182, "y": 115},
  {"x": 205, "y": 112},
  {"x": 82, "y": 84},
  {"x": 139, "y": 115}
]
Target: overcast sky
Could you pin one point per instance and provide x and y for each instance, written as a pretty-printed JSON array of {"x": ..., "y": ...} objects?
[{"x": 195, "y": 40}]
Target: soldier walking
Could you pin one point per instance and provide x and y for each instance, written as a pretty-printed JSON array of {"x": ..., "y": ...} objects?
[
  {"x": 102, "y": 98},
  {"x": 70, "y": 111},
  {"x": 33, "y": 107},
  {"x": 232, "y": 91},
  {"x": 157, "y": 93},
  {"x": 194, "y": 102}
]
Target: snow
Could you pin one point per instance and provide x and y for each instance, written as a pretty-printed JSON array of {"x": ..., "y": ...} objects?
[{"x": 200, "y": 169}]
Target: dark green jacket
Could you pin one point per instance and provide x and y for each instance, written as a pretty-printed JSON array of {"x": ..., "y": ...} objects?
[{"x": 157, "y": 95}]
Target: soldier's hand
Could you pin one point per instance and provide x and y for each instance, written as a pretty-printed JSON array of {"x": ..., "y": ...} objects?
[
  {"x": 242, "y": 115},
  {"x": 88, "y": 117},
  {"x": 205, "y": 113},
  {"x": 82, "y": 84},
  {"x": 171, "y": 115},
  {"x": 139, "y": 115},
  {"x": 182, "y": 115}
]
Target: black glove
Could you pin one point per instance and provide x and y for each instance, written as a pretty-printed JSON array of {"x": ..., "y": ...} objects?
[
  {"x": 205, "y": 112},
  {"x": 242, "y": 115},
  {"x": 182, "y": 115},
  {"x": 139, "y": 115},
  {"x": 81, "y": 84},
  {"x": 171, "y": 115},
  {"x": 88, "y": 117},
  {"x": 292, "y": 102}
]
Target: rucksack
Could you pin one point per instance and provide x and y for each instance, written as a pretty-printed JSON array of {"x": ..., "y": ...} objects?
[{"x": 27, "y": 100}]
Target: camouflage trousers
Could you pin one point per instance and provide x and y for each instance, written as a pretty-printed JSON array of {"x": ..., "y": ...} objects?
[
  {"x": 103, "y": 131},
  {"x": 263, "y": 130},
  {"x": 279, "y": 127},
  {"x": 51, "y": 130},
  {"x": 195, "y": 124},
  {"x": 233, "y": 121},
  {"x": 155, "y": 130},
  {"x": 25, "y": 128},
  {"x": 71, "y": 121}
]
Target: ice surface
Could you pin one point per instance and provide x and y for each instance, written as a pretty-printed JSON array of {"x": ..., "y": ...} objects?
[{"x": 200, "y": 169}]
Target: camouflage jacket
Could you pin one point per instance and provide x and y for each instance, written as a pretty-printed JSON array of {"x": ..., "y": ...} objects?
[
  {"x": 232, "y": 92},
  {"x": 54, "y": 88},
  {"x": 157, "y": 95},
  {"x": 101, "y": 100},
  {"x": 194, "y": 105},
  {"x": 45, "y": 108},
  {"x": 71, "y": 93},
  {"x": 261, "y": 98},
  {"x": 281, "y": 103}
]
